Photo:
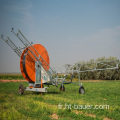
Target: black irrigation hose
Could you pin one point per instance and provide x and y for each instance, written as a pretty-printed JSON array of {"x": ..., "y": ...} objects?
[
  {"x": 47, "y": 83},
  {"x": 24, "y": 68}
]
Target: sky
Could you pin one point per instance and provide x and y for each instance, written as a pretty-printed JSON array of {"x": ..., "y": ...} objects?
[{"x": 70, "y": 30}]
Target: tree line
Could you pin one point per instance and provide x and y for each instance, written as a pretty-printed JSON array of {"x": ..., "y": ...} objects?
[{"x": 112, "y": 74}]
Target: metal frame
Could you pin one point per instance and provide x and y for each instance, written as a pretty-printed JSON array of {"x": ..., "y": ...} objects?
[
  {"x": 105, "y": 63},
  {"x": 36, "y": 89},
  {"x": 51, "y": 73},
  {"x": 26, "y": 44}
]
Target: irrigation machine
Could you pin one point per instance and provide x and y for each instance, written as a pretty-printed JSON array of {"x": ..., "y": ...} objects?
[{"x": 35, "y": 66}]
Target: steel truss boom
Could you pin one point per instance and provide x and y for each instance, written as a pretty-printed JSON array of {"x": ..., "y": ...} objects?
[{"x": 86, "y": 67}]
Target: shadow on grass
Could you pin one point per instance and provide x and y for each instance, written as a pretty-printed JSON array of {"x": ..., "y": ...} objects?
[
  {"x": 53, "y": 92},
  {"x": 39, "y": 93}
]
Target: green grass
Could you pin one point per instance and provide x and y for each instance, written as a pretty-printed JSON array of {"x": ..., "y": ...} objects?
[
  {"x": 43, "y": 107},
  {"x": 11, "y": 76}
]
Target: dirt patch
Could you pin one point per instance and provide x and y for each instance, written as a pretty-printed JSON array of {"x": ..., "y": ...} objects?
[
  {"x": 76, "y": 112},
  {"x": 93, "y": 80},
  {"x": 54, "y": 116},
  {"x": 76, "y": 80},
  {"x": 91, "y": 115},
  {"x": 105, "y": 99},
  {"x": 107, "y": 119},
  {"x": 97, "y": 80},
  {"x": 12, "y": 81}
]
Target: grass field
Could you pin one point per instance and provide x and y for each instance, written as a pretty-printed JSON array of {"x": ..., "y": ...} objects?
[
  {"x": 11, "y": 76},
  {"x": 56, "y": 104}
]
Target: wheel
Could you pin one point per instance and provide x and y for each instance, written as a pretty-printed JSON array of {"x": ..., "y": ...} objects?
[
  {"x": 21, "y": 89},
  {"x": 81, "y": 90},
  {"x": 62, "y": 88}
]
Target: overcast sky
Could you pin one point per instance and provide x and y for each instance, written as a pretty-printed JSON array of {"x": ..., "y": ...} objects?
[{"x": 70, "y": 30}]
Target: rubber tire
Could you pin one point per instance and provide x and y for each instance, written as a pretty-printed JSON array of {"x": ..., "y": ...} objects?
[
  {"x": 22, "y": 89},
  {"x": 62, "y": 89},
  {"x": 81, "y": 90}
]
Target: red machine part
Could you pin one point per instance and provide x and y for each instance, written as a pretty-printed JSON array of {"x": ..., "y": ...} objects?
[{"x": 27, "y": 64}]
